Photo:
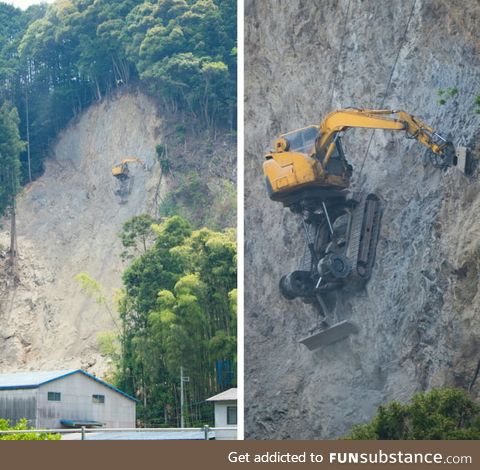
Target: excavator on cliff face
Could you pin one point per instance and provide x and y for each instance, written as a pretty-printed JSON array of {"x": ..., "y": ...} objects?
[
  {"x": 307, "y": 171},
  {"x": 122, "y": 173},
  {"x": 121, "y": 170}
]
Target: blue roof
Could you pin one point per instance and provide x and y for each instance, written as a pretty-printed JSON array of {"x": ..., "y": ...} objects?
[
  {"x": 22, "y": 380},
  {"x": 76, "y": 423}
]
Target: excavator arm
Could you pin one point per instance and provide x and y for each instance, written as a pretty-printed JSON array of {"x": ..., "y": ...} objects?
[
  {"x": 121, "y": 170},
  {"x": 386, "y": 119},
  {"x": 131, "y": 160}
]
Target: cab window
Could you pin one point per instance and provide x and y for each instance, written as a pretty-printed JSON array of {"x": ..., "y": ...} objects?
[{"x": 303, "y": 140}]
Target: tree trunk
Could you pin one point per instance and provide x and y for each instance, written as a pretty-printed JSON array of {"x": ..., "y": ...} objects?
[
  {"x": 28, "y": 136},
  {"x": 13, "y": 244}
]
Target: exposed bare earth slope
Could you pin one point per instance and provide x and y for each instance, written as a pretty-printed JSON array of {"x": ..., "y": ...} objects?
[
  {"x": 419, "y": 316},
  {"x": 68, "y": 221}
]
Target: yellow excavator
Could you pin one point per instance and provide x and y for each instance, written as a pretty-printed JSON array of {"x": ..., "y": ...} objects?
[
  {"x": 307, "y": 171},
  {"x": 121, "y": 170},
  {"x": 125, "y": 179}
]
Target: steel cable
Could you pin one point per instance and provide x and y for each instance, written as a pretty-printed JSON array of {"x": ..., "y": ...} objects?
[{"x": 389, "y": 81}]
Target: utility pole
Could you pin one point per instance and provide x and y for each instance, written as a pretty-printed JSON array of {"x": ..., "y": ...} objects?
[{"x": 182, "y": 399}]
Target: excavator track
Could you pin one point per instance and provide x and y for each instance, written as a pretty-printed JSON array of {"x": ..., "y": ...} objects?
[{"x": 363, "y": 236}]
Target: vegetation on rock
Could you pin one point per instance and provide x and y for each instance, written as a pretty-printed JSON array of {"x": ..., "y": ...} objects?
[{"x": 439, "y": 414}]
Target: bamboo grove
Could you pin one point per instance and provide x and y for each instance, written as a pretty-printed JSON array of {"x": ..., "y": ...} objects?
[{"x": 178, "y": 308}]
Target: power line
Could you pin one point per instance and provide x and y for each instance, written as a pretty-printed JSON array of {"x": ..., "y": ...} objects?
[
  {"x": 337, "y": 63},
  {"x": 389, "y": 81}
]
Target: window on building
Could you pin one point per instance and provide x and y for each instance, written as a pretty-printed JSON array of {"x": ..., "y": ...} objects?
[
  {"x": 98, "y": 398},
  {"x": 231, "y": 415},
  {"x": 54, "y": 396}
]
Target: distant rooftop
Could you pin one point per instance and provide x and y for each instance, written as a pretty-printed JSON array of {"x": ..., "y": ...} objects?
[
  {"x": 22, "y": 380},
  {"x": 230, "y": 394},
  {"x": 31, "y": 379}
]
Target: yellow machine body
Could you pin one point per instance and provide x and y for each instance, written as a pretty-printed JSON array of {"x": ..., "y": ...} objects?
[
  {"x": 312, "y": 157},
  {"x": 121, "y": 170}
]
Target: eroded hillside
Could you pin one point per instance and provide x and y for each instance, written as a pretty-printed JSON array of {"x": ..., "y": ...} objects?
[
  {"x": 68, "y": 222},
  {"x": 419, "y": 314}
]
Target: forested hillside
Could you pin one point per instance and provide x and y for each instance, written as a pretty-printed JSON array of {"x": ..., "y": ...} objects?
[
  {"x": 55, "y": 60},
  {"x": 130, "y": 289}
]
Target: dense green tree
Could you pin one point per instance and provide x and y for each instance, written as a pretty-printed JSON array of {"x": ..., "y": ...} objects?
[
  {"x": 179, "y": 309},
  {"x": 438, "y": 414},
  {"x": 55, "y": 60},
  {"x": 137, "y": 235},
  {"x": 10, "y": 148}
]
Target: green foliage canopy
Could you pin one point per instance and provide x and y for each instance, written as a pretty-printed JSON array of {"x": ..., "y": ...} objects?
[
  {"x": 436, "y": 415},
  {"x": 10, "y": 148},
  {"x": 55, "y": 60},
  {"x": 179, "y": 309},
  {"x": 22, "y": 425}
]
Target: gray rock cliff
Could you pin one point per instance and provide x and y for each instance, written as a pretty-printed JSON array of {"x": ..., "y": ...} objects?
[{"x": 419, "y": 314}]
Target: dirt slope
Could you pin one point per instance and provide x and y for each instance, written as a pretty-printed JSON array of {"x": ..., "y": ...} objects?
[
  {"x": 419, "y": 315},
  {"x": 68, "y": 222}
]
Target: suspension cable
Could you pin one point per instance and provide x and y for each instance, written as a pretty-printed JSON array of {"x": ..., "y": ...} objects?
[
  {"x": 389, "y": 82},
  {"x": 339, "y": 54}
]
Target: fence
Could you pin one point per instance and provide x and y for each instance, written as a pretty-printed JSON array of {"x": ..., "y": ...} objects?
[{"x": 203, "y": 433}]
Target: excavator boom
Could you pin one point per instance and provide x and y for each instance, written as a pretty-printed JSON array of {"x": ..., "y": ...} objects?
[{"x": 342, "y": 120}]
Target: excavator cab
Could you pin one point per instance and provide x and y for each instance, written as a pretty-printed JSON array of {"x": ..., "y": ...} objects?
[
  {"x": 295, "y": 166},
  {"x": 302, "y": 140},
  {"x": 120, "y": 171},
  {"x": 306, "y": 141}
]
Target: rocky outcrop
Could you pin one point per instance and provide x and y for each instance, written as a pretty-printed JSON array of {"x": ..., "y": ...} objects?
[{"x": 419, "y": 314}]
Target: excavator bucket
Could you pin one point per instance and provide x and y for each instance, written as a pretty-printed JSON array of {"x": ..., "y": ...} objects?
[
  {"x": 330, "y": 335},
  {"x": 463, "y": 160}
]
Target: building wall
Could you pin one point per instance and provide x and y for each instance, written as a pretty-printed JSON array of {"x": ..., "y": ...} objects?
[
  {"x": 77, "y": 403},
  {"x": 221, "y": 420},
  {"x": 18, "y": 404}
]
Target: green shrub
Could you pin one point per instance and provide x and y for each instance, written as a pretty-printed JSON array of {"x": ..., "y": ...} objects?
[
  {"x": 446, "y": 94},
  {"x": 180, "y": 132},
  {"x": 440, "y": 414},
  {"x": 22, "y": 425},
  {"x": 191, "y": 199}
]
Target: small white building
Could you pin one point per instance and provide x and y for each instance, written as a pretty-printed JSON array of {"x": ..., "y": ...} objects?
[
  {"x": 66, "y": 398},
  {"x": 225, "y": 414}
]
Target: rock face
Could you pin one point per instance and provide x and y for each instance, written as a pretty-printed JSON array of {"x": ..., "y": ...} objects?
[
  {"x": 419, "y": 314},
  {"x": 68, "y": 221}
]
